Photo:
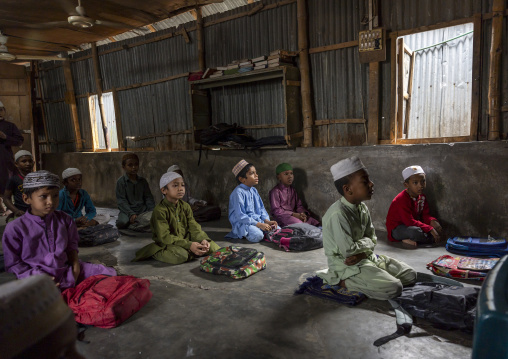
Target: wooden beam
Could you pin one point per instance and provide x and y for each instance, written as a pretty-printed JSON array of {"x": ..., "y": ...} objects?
[
  {"x": 151, "y": 28},
  {"x": 393, "y": 80},
  {"x": 185, "y": 35},
  {"x": 415, "y": 141},
  {"x": 305, "y": 89},
  {"x": 440, "y": 25},
  {"x": 496, "y": 49},
  {"x": 98, "y": 85},
  {"x": 256, "y": 9},
  {"x": 400, "y": 86},
  {"x": 293, "y": 83},
  {"x": 33, "y": 115},
  {"x": 118, "y": 120},
  {"x": 339, "y": 121},
  {"x": 373, "y": 104},
  {"x": 200, "y": 39},
  {"x": 342, "y": 45},
  {"x": 71, "y": 97},
  {"x": 264, "y": 126},
  {"x": 141, "y": 84},
  {"x": 477, "y": 74}
]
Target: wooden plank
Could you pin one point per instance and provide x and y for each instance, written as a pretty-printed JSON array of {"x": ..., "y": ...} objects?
[
  {"x": 292, "y": 83},
  {"x": 342, "y": 45},
  {"x": 186, "y": 37},
  {"x": 155, "y": 135},
  {"x": 400, "y": 85},
  {"x": 504, "y": 109},
  {"x": 406, "y": 141},
  {"x": 393, "y": 92},
  {"x": 264, "y": 126},
  {"x": 373, "y": 104},
  {"x": 33, "y": 116},
  {"x": 409, "y": 92},
  {"x": 118, "y": 120},
  {"x": 141, "y": 84},
  {"x": 477, "y": 70},
  {"x": 200, "y": 39},
  {"x": 339, "y": 121},
  {"x": 494, "y": 94},
  {"x": 69, "y": 84},
  {"x": 305, "y": 88},
  {"x": 12, "y": 93},
  {"x": 98, "y": 86},
  {"x": 395, "y": 35}
]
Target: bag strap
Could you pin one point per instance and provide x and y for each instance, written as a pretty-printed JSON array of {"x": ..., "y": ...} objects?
[
  {"x": 404, "y": 324},
  {"x": 284, "y": 243}
]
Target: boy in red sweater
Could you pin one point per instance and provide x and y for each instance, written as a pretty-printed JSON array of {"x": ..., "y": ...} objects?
[{"x": 408, "y": 218}]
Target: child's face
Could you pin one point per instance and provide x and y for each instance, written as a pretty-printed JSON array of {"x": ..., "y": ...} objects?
[
  {"x": 286, "y": 178},
  {"x": 415, "y": 185},
  {"x": 174, "y": 190},
  {"x": 251, "y": 178},
  {"x": 360, "y": 187},
  {"x": 74, "y": 183},
  {"x": 131, "y": 167},
  {"x": 43, "y": 201},
  {"x": 25, "y": 164}
]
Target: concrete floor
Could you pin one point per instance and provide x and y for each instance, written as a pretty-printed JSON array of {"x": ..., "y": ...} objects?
[{"x": 196, "y": 314}]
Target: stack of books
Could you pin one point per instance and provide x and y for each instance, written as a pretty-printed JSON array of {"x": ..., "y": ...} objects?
[
  {"x": 279, "y": 58},
  {"x": 260, "y": 63}
]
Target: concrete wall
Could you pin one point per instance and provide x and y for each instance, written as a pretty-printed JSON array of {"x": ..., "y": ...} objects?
[{"x": 466, "y": 182}]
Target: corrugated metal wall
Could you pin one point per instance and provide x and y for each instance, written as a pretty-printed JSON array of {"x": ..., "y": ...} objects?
[
  {"x": 339, "y": 81},
  {"x": 442, "y": 82}
]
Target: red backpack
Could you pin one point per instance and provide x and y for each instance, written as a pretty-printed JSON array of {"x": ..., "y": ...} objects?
[{"x": 106, "y": 302}]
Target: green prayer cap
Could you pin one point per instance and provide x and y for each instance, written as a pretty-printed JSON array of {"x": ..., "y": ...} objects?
[{"x": 283, "y": 167}]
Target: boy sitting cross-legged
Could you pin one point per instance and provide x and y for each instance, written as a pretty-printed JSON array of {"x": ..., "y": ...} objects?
[
  {"x": 408, "y": 218},
  {"x": 178, "y": 237},
  {"x": 247, "y": 213},
  {"x": 349, "y": 239},
  {"x": 45, "y": 241},
  {"x": 133, "y": 196},
  {"x": 24, "y": 164}
]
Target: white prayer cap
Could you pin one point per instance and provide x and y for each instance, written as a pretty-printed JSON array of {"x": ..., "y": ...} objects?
[
  {"x": 346, "y": 167},
  {"x": 239, "y": 167},
  {"x": 168, "y": 177},
  {"x": 69, "y": 172},
  {"x": 173, "y": 168},
  {"x": 22, "y": 153},
  {"x": 1, "y": 104},
  {"x": 31, "y": 309},
  {"x": 41, "y": 179},
  {"x": 412, "y": 170}
]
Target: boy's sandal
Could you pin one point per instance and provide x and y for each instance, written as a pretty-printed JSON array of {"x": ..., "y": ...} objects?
[{"x": 406, "y": 243}]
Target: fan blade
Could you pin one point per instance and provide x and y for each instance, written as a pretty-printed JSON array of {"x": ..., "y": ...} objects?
[
  {"x": 42, "y": 25},
  {"x": 69, "y": 6},
  {"x": 116, "y": 25}
]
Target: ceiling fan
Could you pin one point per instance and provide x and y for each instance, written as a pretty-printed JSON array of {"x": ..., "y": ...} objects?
[{"x": 77, "y": 18}]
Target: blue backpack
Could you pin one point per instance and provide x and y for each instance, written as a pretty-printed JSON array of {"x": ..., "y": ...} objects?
[{"x": 470, "y": 246}]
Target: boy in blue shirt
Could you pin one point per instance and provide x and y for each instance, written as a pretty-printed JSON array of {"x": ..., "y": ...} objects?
[
  {"x": 72, "y": 200},
  {"x": 247, "y": 213}
]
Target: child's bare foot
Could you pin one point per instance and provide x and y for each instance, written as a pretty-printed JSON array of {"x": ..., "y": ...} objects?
[
  {"x": 409, "y": 244},
  {"x": 342, "y": 284}
]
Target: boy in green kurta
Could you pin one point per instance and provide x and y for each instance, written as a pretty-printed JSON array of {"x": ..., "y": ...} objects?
[
  {"x": 349, "y": 239},
  {"x": 178, "y": 237}
]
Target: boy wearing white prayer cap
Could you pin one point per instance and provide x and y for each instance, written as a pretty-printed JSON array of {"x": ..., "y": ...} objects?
[
  {"x": 24, "y": 164},
  {"x": 349, "y": 239},
  {"x": 177, "y": 236},
  {"x": 73, "y": 199},
  {"x": 408, "y": 218}
]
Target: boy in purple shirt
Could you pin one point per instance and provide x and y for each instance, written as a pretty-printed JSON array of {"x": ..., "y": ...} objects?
[
  {"x": 286, "y": 206},
  {"x": 45, "y": 241}
]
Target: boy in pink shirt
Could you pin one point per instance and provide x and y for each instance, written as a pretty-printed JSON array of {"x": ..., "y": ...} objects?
[
  {"x": 408, "y": 218},
  {"x": 286, "y": 206}
]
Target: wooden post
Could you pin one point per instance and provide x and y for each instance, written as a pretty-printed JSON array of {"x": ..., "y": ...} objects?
[
  {"x": 98, "y": 85},
  {"x": 373, "y": 122},
  {"x": 200, "y": 39},
  {"x": 303, "y": 48},
  {"x": 494, "y": 69},
  {"x": 373, "y": 105},
  {"x": 34, "y": 117},
  {"x": 118, "y": 118},
  {"x": 70, "y": 98}
]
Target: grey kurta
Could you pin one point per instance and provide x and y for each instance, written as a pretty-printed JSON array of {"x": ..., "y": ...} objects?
[{"x": 348, "y": 230}]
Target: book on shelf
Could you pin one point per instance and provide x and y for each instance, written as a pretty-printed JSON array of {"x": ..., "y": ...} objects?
[
  {"x": 260, "y": 67},
  {"x": 257, "y": 59},
  {"x": 231, "y": 71},
  {"x": 279, "y": 64},
  {"x": 244, "y": 63},
  {"x": 215, "y": 75},
  {"x": 283, "y": 53},
  {"x": 209, "y": 71},
  {"x": 259, "y": 63},
  {"x": 232, "y": 66},
  {"x": 222, "y": 68}
]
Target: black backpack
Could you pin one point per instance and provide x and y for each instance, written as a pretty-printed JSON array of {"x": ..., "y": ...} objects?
[
  {"x": 297, "y": 237},
  {"x": 97, "y": 235}
]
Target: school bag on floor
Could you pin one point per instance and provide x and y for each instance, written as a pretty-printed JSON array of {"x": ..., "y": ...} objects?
[
  {"x": 97, "y": 235},
  {"x": 106, "y": 302},
  {"x": 235, "y": 262},
  {"x": 471, "y": 246},
  {"x": 462, "y": 268},
  {"x": 296, "y": 237}
]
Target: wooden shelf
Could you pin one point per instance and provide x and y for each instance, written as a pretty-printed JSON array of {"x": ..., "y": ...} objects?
[{"x": 245, "y": 77}]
